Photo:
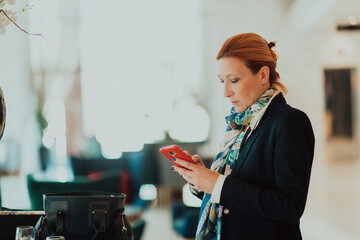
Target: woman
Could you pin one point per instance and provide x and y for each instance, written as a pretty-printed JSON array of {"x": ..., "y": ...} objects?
[{"x": 257, "y": 185}]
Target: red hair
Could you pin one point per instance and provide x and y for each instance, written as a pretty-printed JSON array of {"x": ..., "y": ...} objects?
[{"x": 256, "y": 52}]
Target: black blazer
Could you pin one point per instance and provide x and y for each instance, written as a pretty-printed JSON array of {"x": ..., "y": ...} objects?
[{"x": 265, "y": 194}]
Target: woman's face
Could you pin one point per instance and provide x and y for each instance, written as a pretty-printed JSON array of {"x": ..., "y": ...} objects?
[{"x": 241, "y": 86}]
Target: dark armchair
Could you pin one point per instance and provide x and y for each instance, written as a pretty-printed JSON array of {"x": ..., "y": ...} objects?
[
  {"x": 184, "y": 219},
  {"x": 142, "y": 168},
  {"x": 109, "y": 181}
]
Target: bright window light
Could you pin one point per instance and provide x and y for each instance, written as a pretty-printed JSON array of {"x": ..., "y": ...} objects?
[
  {"x": 62, "y": 174},
  {"x": 137, "y": 64},
  {"x": 190, "y": 123},
  {"x": 148, "y": 192},
  {"x": 60, "y": 146},
  {"x": 110, "y": 150},
  {"x": 48, "y": 139},
  {"x": 3, "y": 153},
  {"x": 56, "y": 130}
]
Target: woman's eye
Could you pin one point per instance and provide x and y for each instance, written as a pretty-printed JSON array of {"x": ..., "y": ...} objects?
[
  {"x": 221, "y": 81},
  {"x": 234, "y": 80}
]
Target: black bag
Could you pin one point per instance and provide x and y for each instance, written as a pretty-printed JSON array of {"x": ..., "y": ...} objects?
[{"x": 84, "y": 216}]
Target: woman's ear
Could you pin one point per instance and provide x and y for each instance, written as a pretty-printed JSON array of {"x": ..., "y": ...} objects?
[{"x": 264, "y": 74}]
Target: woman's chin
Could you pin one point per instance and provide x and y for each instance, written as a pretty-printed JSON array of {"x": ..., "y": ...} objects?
[{"x": 240, "y": 108}]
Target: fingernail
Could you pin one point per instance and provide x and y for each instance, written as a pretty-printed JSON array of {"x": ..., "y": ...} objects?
[
  {"x": 172, "y": 168},
  {"x": 174, "y": 159}
]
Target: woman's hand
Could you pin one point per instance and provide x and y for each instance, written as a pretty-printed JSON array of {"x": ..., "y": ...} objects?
[
  {"x": 196, "y": 158},
  {"x": 197, "y": 174}
]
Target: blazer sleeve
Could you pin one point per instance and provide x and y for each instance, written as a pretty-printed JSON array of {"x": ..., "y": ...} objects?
[{"x": 292, "y": 141}]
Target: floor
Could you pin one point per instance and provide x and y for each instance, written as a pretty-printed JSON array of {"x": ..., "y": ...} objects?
[
  {"x": 158, "y": 226},
  {"x": 332, "y": 211}
]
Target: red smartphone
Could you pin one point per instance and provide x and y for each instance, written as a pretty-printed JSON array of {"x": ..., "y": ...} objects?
[{"x": 174, "y": 151}]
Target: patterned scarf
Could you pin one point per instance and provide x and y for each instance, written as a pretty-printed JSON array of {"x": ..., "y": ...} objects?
[{"x": 209, "y": 225}]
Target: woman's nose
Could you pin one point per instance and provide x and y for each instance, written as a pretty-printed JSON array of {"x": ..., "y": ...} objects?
[{"x": 227, "y": 90}]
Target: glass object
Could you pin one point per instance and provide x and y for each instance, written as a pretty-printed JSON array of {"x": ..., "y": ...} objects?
[
  {"x": 55, "y": 238},
  {"x": 25, "y": 233}
]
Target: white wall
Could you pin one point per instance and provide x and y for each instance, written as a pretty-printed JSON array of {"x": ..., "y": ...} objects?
[
  {"x": 305, "y": 49},
  {"x": 14, "y": 80},
  {"x": 223, "y": 19}
]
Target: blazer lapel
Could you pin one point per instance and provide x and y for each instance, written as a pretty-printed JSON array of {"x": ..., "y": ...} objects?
[
  {"x": 247, "y": 145},
  {"x": 246, "y": 148}
]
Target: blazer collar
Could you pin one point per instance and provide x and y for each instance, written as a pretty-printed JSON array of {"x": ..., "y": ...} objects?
[
  {"x": 255, "y": 122},
  {"x": 273, "y": 107}
]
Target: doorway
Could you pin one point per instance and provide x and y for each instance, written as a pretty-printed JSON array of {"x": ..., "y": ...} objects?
[{"x": 340, "y": 112}]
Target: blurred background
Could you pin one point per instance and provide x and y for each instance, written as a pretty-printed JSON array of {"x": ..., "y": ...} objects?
[{"x": 110, "y": 82}]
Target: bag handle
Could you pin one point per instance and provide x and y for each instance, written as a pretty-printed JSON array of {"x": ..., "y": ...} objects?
[
  {"x": 56, "y": 221},
  {"x": 99, "y": 220},
  {"x": 57, "y": 216},
  {"x": 120, "y": 226}
]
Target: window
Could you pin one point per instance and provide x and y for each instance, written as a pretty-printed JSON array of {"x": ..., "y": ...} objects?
[{"x": 141, "y": 70}]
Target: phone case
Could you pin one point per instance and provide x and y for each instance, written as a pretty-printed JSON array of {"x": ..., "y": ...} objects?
[{"x": 173, "y": 151}]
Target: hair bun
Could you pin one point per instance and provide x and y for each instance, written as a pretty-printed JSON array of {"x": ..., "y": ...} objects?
[
  {"x": 272, "y": 44},
  {"x": 274, "y": 54}
]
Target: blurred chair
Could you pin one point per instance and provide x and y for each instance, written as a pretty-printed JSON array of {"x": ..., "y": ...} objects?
[
  {"x": 184, "y": 219},
  {"x": 107, "y": 181},
  {"x": 138, "y": 228},
  {"x": 82, "y": 166},
  {"x": 142, "y": 167}
]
